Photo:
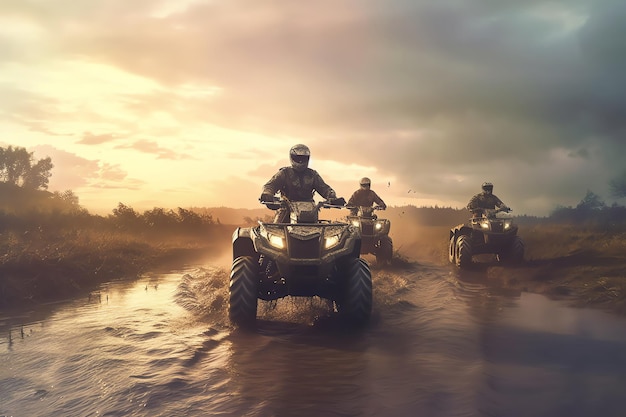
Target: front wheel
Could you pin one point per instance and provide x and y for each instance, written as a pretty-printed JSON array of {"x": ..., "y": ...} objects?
[
  {"x": 356, "y": 300},
  {"x": 463, "y": 251},
  {"x": 515, "y": 254},
  {"x": 385, "y": 251},
  {"x": 452, "y": 250},
  {"x": 243, "y": 291}
]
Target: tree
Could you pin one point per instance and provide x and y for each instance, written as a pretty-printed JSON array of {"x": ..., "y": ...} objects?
[
  {"x": 159, "y": 218},
  {"x": 618, "y": 186},
  {"x": 70, "y": 200},
  {"x": 38, "y": 175},
  {"x": 125, "y": 217},
  {"x": 591, "y": 201},
  {"x": 18, "y": 167}
]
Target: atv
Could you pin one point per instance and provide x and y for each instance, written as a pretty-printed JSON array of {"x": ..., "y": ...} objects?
[
  {"x": 306, "y": 257},
  {"x": 483, "y": 234},
  {"x": 374, "y": 233}
]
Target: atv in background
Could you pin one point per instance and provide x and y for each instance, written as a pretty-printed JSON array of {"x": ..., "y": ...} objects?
[
  {"x": 306, "y": 257},
  {"x": 374, "y": 233},
  {"x": 484, "y": 234}
]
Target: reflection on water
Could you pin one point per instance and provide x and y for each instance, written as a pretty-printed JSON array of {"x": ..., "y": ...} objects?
[{"x": 439, "y": 345}]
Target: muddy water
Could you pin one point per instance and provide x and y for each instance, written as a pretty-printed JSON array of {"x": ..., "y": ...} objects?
[{"x": 440, "y": 344}]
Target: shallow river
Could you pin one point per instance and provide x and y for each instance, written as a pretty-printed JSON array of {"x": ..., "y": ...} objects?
[{"x": 440, "y": 344}]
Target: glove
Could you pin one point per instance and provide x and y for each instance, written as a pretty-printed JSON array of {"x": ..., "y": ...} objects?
[
  {"x": 337, "y": 201},
  {"x": 266, "y": 198}
]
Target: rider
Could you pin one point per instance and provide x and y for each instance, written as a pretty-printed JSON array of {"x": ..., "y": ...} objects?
[
  {"x": 485, "y": 201},
  {"x": 365, "y": 196},
  {"x": 297, "y": 182}
]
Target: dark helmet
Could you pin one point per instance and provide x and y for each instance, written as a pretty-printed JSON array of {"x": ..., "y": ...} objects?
[
  {"x": 365, "y": 182},
  {"x": 487, "y": 186},
  {"x": 299, "y": 156}
]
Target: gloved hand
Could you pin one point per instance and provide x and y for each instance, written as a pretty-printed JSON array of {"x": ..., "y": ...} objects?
[
  {"x": 266, "y": 198},
  {"x": 337, "y": 201}
]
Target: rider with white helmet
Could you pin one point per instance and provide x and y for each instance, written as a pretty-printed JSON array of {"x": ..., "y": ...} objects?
[{"x": 365, "y": 196}]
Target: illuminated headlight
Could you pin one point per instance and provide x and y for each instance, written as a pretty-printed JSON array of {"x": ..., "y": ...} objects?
[
  {"x": 378, "y": 225},
  {"x": 276, "y": 241},
  {"x": 484, "y": 224},
  {"x": 507, "y": 224},
  {"x": 356, "y": 223},
  {"x": 331, "y": 241}
]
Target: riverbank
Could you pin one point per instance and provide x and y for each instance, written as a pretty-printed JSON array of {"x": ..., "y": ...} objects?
[
  {"x": 586, "y": 267},
  {"x": 44, "y": 268}
]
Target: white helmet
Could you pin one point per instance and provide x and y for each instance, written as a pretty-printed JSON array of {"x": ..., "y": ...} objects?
[
  {"x": 299, "y": 156},
  {"x": 365, "y": 182}
]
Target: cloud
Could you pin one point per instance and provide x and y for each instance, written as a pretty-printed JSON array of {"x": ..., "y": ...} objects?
[
  {"x": 435, "y": 96},
  {"x": 70, "y": 171},
  {"x": 89, "y": 138},
  {"x": 74, "y": 172},
  {"x": 152, "y": 147}
]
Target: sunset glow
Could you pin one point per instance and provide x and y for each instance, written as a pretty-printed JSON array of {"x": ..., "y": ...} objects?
[{"x": 196, "y": 103}]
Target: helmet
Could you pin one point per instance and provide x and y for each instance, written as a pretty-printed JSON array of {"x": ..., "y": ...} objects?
[
  {"x": 299, "y": 156},
  {"x": 365, "y": 182},
  {"x": 487, "y": 186}
]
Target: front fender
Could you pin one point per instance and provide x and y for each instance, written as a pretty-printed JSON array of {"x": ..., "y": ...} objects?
[
  {"x": 459, "y": 230},
  {"x": 242, "y": 243}
]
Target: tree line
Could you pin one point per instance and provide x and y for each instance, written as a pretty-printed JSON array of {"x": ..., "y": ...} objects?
[
  {"x": 592, "y": 210},
  {"x": 19, "y": 168}
]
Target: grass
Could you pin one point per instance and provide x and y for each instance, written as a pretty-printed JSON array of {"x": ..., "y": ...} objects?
[
  {"x": 38, "y": 266},
  {"x": 586, "y": 265},
  {"x": 46, "y": 264}
]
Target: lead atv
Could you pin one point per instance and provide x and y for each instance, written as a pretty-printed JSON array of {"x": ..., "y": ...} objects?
[
  {"x": 484, "y": 234},
  {"x": 306, "y": 257},
  {"x": 374, "y": 233}
]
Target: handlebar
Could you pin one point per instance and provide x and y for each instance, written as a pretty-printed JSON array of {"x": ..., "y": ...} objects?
[
  {"x": 277, "y": 203},
  {"x": 489, "y": 213},
  {"x": 373, "y": 208},
  {"x": 496, "y": 210}
]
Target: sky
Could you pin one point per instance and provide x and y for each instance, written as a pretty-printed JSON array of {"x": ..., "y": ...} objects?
[{"x": 195, "y": 103}]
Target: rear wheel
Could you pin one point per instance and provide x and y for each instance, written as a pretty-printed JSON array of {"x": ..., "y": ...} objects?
[
  {"x": 243, "y": 291},
  {"x": 385, "y": 251},
  {"x": 463, "y": 251},
  {"x": 356, "y": 302}
]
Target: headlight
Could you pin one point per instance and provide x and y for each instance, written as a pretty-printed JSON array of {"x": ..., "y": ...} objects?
[
  {"x": 276, "y": 241},
  {"x": 331, "y": 241},
  {"x": 484, "y": 224},
  {"x": 378, "y": 226},
  {"x": 507, "y": 224},
  {"x": 356, "y": 223}
]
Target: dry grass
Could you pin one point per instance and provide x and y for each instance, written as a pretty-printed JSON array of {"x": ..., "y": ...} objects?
[
  {"x": 555, "y": 241},
  {"x": 562, "y": 261},
  {"x": 43, "y": 266},
  {"x": 585, "y": 264}
]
